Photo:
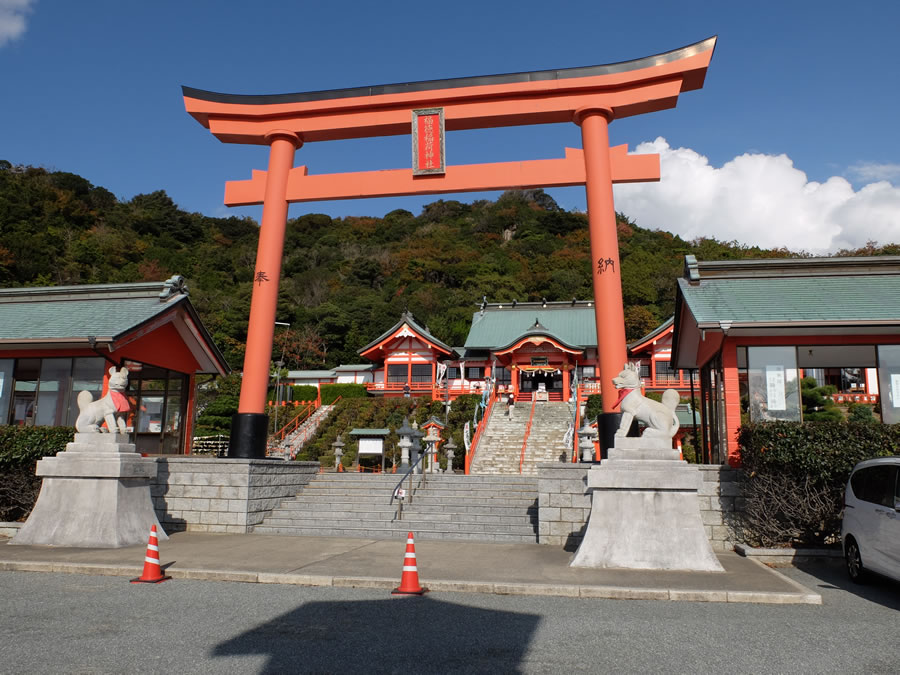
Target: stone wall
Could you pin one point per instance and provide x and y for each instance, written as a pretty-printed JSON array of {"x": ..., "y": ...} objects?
[
  {"x": 206, "y": 494},
  {"x": 564, "y": 505}
]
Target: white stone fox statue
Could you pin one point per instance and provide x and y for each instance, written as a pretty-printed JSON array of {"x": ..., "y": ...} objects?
[
  {"x": 660, "y": 418},
  {"x": 110, "y": 408}
]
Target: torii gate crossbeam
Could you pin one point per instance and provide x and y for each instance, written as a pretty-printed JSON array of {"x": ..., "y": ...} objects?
[{"x": 591, "y": 97}]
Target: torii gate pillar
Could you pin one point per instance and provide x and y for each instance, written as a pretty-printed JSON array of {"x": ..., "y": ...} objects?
[{"x": 249, "y": 428}]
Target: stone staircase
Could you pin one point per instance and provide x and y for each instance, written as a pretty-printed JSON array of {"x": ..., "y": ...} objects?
[
  {"x": 500, "y": 447},
  {"x": 481, "y": 508},
  {"x": 294, "y": 441}
]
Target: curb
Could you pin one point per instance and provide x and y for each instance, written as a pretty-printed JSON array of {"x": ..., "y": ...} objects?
[
  {"x": 788, "y": 556},
  {"x": 803, "y": 596}
]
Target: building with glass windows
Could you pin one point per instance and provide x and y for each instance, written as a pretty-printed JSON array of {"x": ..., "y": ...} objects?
[
  {"x": 58, "y": 341},
  {"x": 756, "y": 328}
]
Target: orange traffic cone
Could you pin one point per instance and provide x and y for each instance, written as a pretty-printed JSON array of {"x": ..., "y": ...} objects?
[
  {"x": 152, "y": 571},
  {"x": 409, "y": 581}
]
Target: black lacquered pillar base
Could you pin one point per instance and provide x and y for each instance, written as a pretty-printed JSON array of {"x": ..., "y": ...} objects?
[
  {"x": 248, "y": 436},
  {"x": 607, "y": 426}
]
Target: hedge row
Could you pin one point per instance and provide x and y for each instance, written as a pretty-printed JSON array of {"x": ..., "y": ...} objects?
[
  {"x": 21, "y": 447},
  {"x": 330, "y": 392},
  {"x": 794, "y": 475},
  {"x": 825, "y": 451}
]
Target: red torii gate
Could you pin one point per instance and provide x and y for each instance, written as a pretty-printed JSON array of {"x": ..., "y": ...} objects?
[{"x": 590, "y": 96}]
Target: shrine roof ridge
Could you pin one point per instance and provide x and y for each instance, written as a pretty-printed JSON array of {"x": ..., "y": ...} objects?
[
  {"x": 455, "y": 83},
  {"x": 536, "y": 304}
]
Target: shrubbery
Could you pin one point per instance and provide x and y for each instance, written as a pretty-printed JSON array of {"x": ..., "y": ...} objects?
[
  {"x": 381, "y": 413},
  {"x": 304, "y": 392},
  {"x": 20, "y": 449},
  {"x": 330, "y": 392},
  {"x": 794, "y": 476}
]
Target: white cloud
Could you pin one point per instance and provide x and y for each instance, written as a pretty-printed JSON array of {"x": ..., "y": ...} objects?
[
  {"x": 872, "y": 171},
  {"x": 12, "y": 19},
  {"x": 760, "y": 200}
]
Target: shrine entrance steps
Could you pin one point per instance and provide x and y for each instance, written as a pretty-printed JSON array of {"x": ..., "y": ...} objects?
[
  {"x": 500, "y": 449},
  {"x": 478, "y": 508}
]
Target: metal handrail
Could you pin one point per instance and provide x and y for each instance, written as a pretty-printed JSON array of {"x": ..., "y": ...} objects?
[
  {"x": 527, "y": 434},
  {"x": 408, "y": 473}
]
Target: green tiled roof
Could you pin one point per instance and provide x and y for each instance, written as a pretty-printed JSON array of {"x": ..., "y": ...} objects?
[
  {"x": 861, "y": 298},
  {"x": 104, "y": 311},
  {"x": 370, "y": 432},
  {"x": 499, "y": 326}
]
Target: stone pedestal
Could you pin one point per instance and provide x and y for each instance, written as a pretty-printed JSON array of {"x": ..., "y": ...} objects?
[
  {"x": 96, "y": 494},
  {"x": 645, "y": 512}
]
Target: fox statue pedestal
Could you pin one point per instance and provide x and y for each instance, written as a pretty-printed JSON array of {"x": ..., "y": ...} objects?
[
  {"x": 645, "y": 513},
  {"x": 96, "y": 494}
]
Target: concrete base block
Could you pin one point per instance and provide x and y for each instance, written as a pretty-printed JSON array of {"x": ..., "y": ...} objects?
[
  {"x": 96, "y": 494},
  {"x": 645, "y": 514}
]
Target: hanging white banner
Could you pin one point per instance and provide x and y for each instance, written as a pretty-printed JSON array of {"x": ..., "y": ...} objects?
[{"x": 466, "y": 436}]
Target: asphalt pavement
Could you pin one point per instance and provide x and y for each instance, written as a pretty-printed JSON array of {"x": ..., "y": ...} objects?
[
  {"x": 442, "y": 566},
  {"x": 75, "y": 623}
]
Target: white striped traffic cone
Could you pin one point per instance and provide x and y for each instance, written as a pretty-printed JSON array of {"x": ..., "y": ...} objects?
[
  {"x": 409, "y": 581},
  {"x": 152, "y": 571}
]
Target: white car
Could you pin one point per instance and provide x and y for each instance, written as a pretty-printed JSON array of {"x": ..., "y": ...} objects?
[{"x": 870, "y": 529}]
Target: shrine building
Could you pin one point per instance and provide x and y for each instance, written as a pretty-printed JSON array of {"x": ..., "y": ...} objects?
[
  {"x": 756, "y": 328},
  {"x": 524, "y": 348},
  {"x": 58, "y": 341}
]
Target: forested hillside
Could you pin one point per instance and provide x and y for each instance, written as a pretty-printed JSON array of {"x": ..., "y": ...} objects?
[{"x": 344, "y": 280}]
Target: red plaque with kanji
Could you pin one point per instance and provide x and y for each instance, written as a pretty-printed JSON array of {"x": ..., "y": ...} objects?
[{"x": 428, "y": 141}]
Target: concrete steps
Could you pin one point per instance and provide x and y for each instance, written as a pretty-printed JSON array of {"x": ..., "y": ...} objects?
[
  {"x": 500, "y": 449},
  {"x": 480, "y": 508}
]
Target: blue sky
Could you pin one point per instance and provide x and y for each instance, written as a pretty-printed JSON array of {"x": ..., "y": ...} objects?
[{"x": 792, "y": 141}]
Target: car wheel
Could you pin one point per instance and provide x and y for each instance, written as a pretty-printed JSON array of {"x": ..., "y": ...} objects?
[{"x": 855, "y": 568}]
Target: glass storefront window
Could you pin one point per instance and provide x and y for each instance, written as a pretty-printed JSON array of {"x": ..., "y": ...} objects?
[
  {"x": 6, "y": 383},
  {"x": 52, "y": 392},
  {"x": 889, "y": 382},
  {"x": 26, "y": 377},
  {"x": 87, "y": 375},
  {"x": 774, "y": 388}
]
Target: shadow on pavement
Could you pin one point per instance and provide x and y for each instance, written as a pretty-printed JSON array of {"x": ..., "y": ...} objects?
[
  {"x": 406, "y": 634},
  {"x": 877, "y": 589}
]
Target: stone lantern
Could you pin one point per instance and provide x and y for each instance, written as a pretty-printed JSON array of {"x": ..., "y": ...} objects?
[
  {"x": 338, "y": 446},
  {"x": 405, "y": 433},
  {"x": 586, "y": 442},
  {"x": 450, "y": 451},
  {"x": 432, "y": 440}
]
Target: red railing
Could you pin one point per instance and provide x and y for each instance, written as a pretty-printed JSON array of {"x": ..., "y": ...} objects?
[
  {"x": 470, "y": 454},
  {"x": 306, "y": 408},
  {"x": 527, "y": 434},
  {"x": 437, "y": 393},
  {"x": 399, "y": 386}
]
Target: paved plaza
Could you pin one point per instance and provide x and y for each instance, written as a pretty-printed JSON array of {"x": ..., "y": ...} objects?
[{"x": 509, "y": 569}]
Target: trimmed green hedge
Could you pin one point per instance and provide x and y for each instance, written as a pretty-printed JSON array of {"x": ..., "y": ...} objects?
[
  {"x": 826, "y": 451},
  {"x": 794, "y": 475},
  {"x": 330, "y": 392},
  {"x": 21, "y": 447},
  {"x": 305, "y": 392}
]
